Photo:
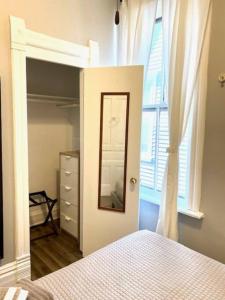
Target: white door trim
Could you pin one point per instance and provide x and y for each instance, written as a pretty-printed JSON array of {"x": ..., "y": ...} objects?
[
  {"x": 26, "y": 43},
  {"x": 14, "y": 271}
]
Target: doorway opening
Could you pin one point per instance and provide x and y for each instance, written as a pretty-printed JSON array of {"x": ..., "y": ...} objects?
[{"x": 53, "y": 122}]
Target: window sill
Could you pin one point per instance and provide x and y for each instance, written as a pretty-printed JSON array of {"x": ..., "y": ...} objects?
[
  {"x": 184, "y": 211},
  {"x": 194, "y": 214},
  {"x": 154, "y": 198}
]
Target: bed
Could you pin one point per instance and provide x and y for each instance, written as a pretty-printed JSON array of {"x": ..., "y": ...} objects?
[{"x": 143, "y": 265}]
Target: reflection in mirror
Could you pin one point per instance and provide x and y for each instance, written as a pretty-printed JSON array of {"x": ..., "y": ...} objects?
[{"x": 113, "y": 151}]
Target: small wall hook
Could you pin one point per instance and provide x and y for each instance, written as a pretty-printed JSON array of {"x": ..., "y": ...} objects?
[{"x": 221, "y": 79}]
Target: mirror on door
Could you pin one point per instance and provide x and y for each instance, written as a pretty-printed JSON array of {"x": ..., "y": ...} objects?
[{"x": 114, "y": 121}]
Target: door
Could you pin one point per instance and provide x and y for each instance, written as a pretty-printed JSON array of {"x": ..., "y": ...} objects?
[{"x": 100, "y": 227}]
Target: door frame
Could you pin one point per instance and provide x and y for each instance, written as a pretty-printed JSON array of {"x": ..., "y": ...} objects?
[{"x": 29, "y": 44}]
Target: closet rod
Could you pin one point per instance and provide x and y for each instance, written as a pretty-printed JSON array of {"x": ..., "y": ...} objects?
[
  {"x": 68, "y": 105},
  {"x": 51, "y": 99}
]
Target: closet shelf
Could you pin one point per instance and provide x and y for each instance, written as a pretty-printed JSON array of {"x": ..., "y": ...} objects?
[{"x": 61, "y": 102}]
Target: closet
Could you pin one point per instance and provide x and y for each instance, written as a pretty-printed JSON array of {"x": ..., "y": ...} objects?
[
  {"x": 66, "y": 116},
  {"x": 53, "y": 118}
]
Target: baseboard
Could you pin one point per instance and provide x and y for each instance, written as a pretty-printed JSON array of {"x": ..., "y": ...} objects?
[
  {"x": 23, "y": 269},
  {"x": 14, "y": 271},
  {"x": 8, "y": 274}
]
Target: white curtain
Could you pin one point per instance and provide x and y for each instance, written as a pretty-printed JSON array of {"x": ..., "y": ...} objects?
[
  {"x": 137, "y": 19},
  {"x": 186, "y": 30}
]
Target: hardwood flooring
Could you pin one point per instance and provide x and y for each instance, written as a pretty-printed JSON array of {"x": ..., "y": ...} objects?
[{"x": 51, "y": 253}]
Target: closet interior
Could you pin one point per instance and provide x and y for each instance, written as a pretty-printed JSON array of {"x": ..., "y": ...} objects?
[{"x": 53, "y": 118}]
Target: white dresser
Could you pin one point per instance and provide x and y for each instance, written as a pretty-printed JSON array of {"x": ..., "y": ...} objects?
[{"x": 69, "y": 192}]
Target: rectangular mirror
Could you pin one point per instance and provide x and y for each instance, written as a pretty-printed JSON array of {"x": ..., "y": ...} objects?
[{"x": 113, "y": 151}]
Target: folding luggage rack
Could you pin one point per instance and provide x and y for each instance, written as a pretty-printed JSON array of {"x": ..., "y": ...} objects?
[{"x": 41, "y": 198}]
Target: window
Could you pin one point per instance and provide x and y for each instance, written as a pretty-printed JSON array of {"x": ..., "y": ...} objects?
[{"x": 155, "y": 135}]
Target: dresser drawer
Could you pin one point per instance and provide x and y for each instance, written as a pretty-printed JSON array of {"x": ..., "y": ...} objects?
[
  {"x": 68, "y": 193},
  {"x": 69, "y": 163},
  {"x": 68, "y": 209},
  {"x": 69, "y": 225},
  {"x": 69, "y": 178}
]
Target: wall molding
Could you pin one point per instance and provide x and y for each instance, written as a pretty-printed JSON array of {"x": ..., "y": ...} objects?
[
  {"x": 29, "y": 44},
  {"x": 14, "y": 271},
  {"x": 23, "y": 267}
]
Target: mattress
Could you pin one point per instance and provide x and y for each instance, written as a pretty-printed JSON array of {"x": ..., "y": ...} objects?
[{"x": 143, "y": 265}]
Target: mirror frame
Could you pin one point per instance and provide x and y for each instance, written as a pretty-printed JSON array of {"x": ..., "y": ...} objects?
[{"x": 127, "y": 94}]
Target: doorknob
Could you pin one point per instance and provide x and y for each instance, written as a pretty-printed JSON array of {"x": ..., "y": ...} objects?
[{"x": 133, "y": 181}]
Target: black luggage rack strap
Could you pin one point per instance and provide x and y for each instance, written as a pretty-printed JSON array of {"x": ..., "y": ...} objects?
[{"x": 40, "y": 198}]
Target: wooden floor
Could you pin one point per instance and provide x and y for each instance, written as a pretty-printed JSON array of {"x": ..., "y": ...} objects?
[{"x": 51, "y": 253}]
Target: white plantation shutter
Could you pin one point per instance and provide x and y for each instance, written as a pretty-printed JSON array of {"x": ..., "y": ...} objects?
[
  {"x": 153, "y": 88},
  {"x": 147, "y": 175},
  {"x": 148, "y": 153},
  {"x": 163, "y": 143},
  {"x": 155, "y": 139}
]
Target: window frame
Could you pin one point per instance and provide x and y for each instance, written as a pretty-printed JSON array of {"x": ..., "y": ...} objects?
[
  {"x": 163, "y": 105},
  {"x": 157, "y": 107},
  {"x": 155, "y": 194}
]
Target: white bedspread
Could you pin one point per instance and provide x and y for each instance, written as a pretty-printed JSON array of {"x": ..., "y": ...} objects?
[{"x": 142, "y": 265}]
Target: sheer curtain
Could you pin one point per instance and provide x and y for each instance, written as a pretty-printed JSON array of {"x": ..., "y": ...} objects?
[
  {"x": 137, "y": 19},
  {"x": 186, "y": 30}
]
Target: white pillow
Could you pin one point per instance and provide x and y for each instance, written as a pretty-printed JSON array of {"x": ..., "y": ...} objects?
[{"x": 13, "y": 293}]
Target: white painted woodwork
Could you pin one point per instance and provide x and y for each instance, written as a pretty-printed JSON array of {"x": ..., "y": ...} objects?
[
  {"x": 69, "y": 163},
  {"x": 67, "y": 209},
  {"x": 68, "y": 224},
  {"x": 21, "y": 213},
  {"x": 69, "y": 194},
  {"x": 100, "y": 227},
  {"x": 14, "y": 271},
  {"x": 26, "y": 43},
  {"x": 67, "y": 177}
]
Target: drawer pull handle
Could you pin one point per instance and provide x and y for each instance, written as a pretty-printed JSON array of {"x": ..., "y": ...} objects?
[
  {"x": 67, "y": 219},
  {"x": 67, "y": 203},
  {"x": 67, "y": 188},
  {"x": 68, "y": 173},
  {"x": 68, "y": 157}
]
